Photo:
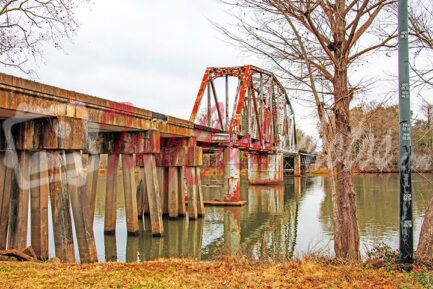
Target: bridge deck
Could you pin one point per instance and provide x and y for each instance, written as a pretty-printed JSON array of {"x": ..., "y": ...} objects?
[
  {"x": 28, "y": 99},
  {"x": 22, "y": 98}
]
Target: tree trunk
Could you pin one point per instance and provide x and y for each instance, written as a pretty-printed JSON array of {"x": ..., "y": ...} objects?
[
  {"x": 346, "y": 232},
  {"x": 425, "y": 243}
]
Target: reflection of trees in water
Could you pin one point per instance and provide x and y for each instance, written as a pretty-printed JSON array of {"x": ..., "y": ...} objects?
[{"x": 378, "y": 201}]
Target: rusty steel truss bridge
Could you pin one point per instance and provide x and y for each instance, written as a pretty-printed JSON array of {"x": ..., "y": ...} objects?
[{"x": 52, "y": 139}]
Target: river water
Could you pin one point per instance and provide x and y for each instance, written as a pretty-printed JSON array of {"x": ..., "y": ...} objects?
[{"x": 277, "y": 223}]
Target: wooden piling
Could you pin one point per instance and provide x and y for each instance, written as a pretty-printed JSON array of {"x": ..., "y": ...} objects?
[
  {"x": 20, "y": 203},
  {"x": 163, "y": 192},
  {"x": 173, "y": 192},
  {"x": 200, "y": 201},
  {"x": 111, "y": 194},
  {"x": 39, "y": 203},
  {"x": 130, "y": 194},
  {"x": 80, "y": 208},
  {"x": 91, "y": 182},
  {"x": 192, "y": 192},
  {"x": 297, "y": 166},
  {"x": 6, "y": 178},
  {"x": 142, "y": 201},
  {"x": 153, "y": 194},
  {"x": 62, "y": 226},
  {"x": 181, "y": 191}
]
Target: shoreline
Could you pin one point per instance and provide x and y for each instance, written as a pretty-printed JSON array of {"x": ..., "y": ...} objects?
[{"x": 230, "y": 272}]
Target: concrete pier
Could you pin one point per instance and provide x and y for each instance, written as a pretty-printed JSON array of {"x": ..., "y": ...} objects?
[
  {"x": 265, "y": 169},
  {"x": 232, "y": 180}
]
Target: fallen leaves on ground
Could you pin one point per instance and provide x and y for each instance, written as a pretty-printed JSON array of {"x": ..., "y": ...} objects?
[{"x": 187, "y": 273}]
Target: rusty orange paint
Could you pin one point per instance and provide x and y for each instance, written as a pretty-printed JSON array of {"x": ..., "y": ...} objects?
[
  {"x": 241, "y": 98},
  {"x": 200, "y": 94},
  {"x": 266, "y": 119}
]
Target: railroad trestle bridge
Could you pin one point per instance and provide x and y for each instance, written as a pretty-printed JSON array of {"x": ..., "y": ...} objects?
[{"x": 51, "y": 141}]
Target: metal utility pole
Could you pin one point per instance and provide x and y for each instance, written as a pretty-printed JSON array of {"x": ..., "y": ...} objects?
[{"x": 406, "y": 224}]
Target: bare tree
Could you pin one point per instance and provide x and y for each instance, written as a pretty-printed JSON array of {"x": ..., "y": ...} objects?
[
  {"x": 421, "y": 30},
  {"x": 313, "y": 46},
  {"x": 27, "y": 25}
]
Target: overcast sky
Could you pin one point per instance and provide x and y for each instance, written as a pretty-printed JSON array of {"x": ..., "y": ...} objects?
[{"x": 151, "y": 54}]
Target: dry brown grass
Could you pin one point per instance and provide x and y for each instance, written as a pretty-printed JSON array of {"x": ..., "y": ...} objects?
[{"x": 186, "y": 273}]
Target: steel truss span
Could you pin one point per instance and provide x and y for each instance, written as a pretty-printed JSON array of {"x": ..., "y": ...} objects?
[{"x": 248, "y": 106}]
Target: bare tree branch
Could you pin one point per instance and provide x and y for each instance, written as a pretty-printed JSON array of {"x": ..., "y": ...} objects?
[{"x": 27, "y": 26}]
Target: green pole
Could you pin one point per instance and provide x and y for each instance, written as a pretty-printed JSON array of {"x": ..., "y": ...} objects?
[{"x": 406, "y": 224}]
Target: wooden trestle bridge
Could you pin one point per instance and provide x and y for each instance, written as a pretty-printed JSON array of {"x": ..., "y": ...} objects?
[{"x": 51, "y": 141}]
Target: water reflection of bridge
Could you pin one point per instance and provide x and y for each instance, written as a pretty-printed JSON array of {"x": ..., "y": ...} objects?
[{"x": 265, "y": 229}]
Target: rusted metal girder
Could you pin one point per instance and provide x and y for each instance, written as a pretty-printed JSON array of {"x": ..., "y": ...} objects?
[{"x": 257, "y": 115}]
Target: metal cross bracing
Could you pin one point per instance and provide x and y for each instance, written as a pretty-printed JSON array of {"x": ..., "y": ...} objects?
[{"x": 245, "y": 107}]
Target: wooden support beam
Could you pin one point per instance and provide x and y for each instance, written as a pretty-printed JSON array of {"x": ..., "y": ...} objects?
[
  {"x": 111, "y": 194},
  {"x": 153, "y": 194},
  {"x": 80, "y": 208},
  {"x": 135, "y": 142},
  {"x": 297, "y": 166},
  {"x": 181, "y": 191},
  {"x": 62, "y": 226},
  {"x": 190, "y": 180},
  {"x": 145, "y": 198},
  {"x": 6, "y": 179},
  {"x": 39, "y": 203},
  {"x": 60, "y": 132},
  {"x": 91, "y": 182},
  {"x": 142, "y": 201},
  {"x": 194, "y": 192},
  {"x": 130, "y": 194},
  {"x": 139, "y": 196},
  {"x": 173, "y": 192},
  {"x": 163, "y": 189},
  {"x": 200, "y": 201},
  {"x": 20, "y": 203}
]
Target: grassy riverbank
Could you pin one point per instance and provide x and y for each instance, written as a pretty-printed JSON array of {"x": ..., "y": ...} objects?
[{"x": 228, "y": 273}]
